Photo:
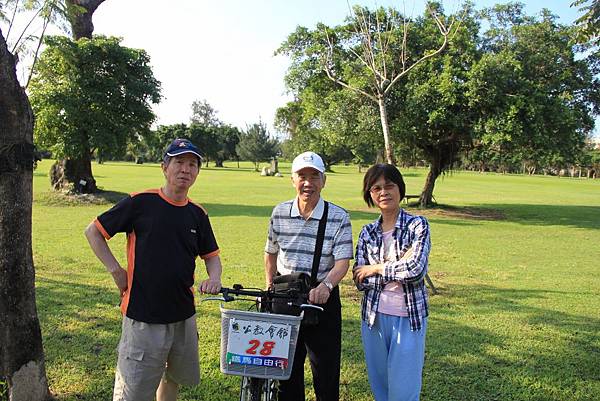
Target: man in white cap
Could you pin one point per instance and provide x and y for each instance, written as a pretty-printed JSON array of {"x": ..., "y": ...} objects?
[
  {"x": 289, "y": 248},
  {"x": 166, "y": 231}
]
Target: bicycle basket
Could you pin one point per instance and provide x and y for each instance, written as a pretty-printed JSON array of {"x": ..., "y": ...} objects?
[{"x": 258, "y": 344}]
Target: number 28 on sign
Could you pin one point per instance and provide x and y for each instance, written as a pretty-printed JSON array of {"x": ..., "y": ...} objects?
[{"x": 258, "y": 343}]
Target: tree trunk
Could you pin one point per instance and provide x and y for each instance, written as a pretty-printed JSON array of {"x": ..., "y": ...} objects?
[
  {"x": 426, "y": 198},
  {"x": 75, "y": 174},
  {"x": 21, "y": 353},
  {"x": 389, "y": 154},
  {"x": 81, "y": 22}
]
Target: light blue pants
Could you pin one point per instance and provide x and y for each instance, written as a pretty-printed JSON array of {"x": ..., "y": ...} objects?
[{"x": 394, "y": 357}]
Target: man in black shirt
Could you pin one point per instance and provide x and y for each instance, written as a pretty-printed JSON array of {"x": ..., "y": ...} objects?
[{"x": 166, "y": 231}]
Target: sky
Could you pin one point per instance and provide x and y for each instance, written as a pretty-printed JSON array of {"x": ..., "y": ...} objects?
[{"x": 223, "y": 51}]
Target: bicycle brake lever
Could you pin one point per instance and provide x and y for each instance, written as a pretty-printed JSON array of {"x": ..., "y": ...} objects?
[
  {"x": 213, "y": 299},
  {"x": 311, "y": 306}
]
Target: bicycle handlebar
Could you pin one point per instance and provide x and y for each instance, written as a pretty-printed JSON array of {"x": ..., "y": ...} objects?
[{"x": 293, "y": 297}]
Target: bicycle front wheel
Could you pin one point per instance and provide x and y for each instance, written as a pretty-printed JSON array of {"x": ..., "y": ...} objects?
[{"x": 253, "y": 389}]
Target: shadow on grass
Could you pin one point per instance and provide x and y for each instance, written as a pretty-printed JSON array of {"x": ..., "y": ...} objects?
[
  {"x": 551, "y": 356},
  {"x": 130, "y": 164},
  {"x": 222, "y": 210},
  {"x": 231, "y": 169},
  {"x": 579, "y": 216},
  {"x": 226, "y": 210},
  {"x": 110, "y": 196},
  {"x": 81, "y": 329}
]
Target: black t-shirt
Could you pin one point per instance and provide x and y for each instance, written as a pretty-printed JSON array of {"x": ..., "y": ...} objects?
[{"x": 164, "y": 238}]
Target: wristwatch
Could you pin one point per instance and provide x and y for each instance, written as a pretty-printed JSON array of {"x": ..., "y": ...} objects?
[{"x": 328, "y": 284}]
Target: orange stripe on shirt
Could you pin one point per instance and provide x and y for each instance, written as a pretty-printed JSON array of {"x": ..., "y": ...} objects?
[
  {"x": 130, "y": 267},
  {"x": 171, "y": 201},
  {"x": 210, "y": 255},
  {"x": 101, "y": 229},
  {"x": 199, "y": 205},
  {"x": 147, "y": 191}
]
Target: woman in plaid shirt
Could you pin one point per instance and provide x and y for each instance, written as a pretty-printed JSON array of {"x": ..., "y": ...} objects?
[{"x": 390, "y": 267}]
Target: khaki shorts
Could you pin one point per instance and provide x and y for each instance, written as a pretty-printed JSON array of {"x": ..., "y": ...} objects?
[{"x": 149, "y": 351}]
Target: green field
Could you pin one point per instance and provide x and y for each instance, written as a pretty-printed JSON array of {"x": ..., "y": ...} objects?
[{"x": 516, "y": 261}]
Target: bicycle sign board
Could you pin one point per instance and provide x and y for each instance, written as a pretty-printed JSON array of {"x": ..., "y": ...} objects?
[{"x": 258, "y": 343}]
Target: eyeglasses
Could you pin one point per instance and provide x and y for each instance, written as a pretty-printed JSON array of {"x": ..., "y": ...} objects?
[{"x": 376, "y": 189}]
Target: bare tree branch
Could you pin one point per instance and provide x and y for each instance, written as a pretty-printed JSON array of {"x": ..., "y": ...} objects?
[
  {"x": 380, "y": 43},
  {"x": 445, "y": 33},
  {"x": 26, "y": 27},
  {"x": 12, "y": 19},
  {"x": 347, "y": 86},
  {"x": 37, "y": 49},
  {"x": 404, "y": 42},
  {"x": 364, "y": 32}
]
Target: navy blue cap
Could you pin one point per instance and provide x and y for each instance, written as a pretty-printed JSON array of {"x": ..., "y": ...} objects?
[{"x": 180, "y": 146}]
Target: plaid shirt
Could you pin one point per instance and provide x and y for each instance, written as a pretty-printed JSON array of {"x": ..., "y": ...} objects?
[{"x": 410, "y": 232}]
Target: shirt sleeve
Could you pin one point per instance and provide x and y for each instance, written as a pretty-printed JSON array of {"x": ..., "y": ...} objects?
[
  {"x": 342, "y": 242},
  {"x": 117, "y": 219},
  {"x": 413, "y": 268},
  {"x": 272, "y": 245},
  {"x": 361, "y": 259},
  {"x": 207, "y": 243}
]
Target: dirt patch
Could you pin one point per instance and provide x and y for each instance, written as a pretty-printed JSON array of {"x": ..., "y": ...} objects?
[
  {"x": 466, "y": 212},
  {"x": 456, "y": 212},
  {"x": 68, "y": 198},
  {"x": 438, "y": 274}
]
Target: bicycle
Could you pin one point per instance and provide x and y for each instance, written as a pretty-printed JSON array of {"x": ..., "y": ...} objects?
[{"x": 259, "y": 345}]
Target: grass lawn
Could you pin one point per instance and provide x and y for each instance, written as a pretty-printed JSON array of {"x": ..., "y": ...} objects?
[{"x": 516, "y": 261}]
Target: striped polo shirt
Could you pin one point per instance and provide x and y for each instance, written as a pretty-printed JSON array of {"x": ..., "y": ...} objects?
[{"x": 293, "y": 238}]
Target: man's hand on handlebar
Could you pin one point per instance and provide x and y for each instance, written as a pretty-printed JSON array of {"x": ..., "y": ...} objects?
[
  {"x": 319, "y": 295},
  {"x": 210, "y": 286}
]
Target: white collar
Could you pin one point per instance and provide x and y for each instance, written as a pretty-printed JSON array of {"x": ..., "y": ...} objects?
[{"x": 317, "y": 212}]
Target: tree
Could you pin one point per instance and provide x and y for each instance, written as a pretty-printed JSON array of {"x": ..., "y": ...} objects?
[
  {"x": 534, "y": 99},
  {"x": 256, "y": 145},
  {"x": 203, "y": 136},
  {"x": 216, "y": 139},
  {"x": 21, "y": 353},
  {"x": 77, "y": 169},
  {"x": 588, "y": 25},
  {"x": 90, "y": 95},
  {"x": 331, "y": 124},
  {"x": 204, "y": 113},
  {"x": 368, "y": 55},
  {"x": 430, "y": 110},
  {"x": 228, "y": 138},
  {"x": 217, "y": 143}
]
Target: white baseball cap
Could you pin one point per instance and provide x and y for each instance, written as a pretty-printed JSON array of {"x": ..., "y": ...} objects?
[{"x": 308, "y": 159}]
